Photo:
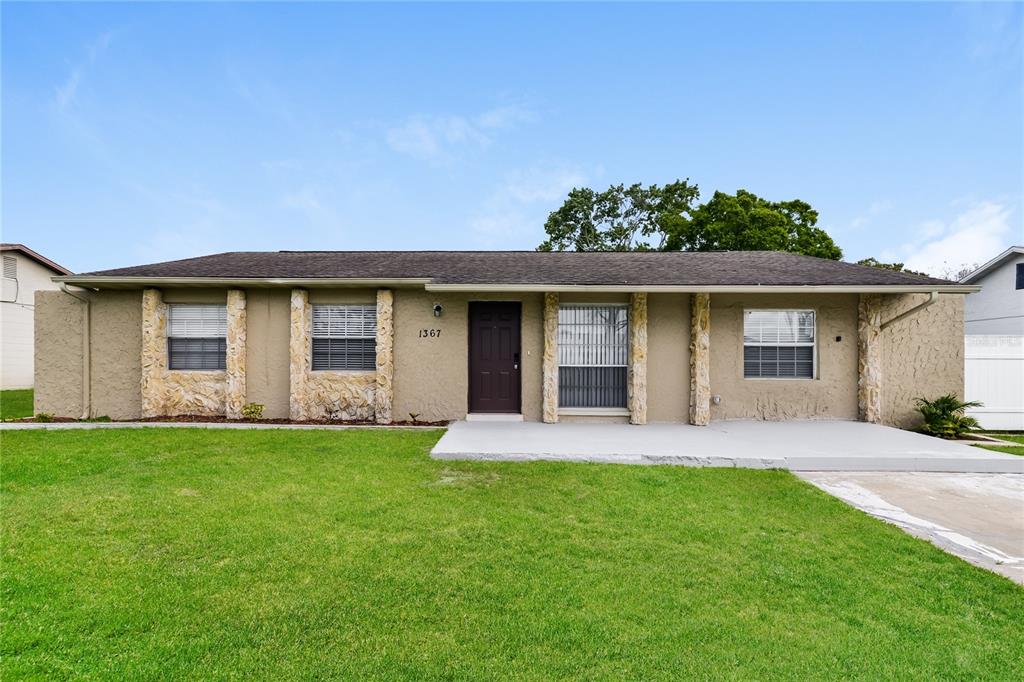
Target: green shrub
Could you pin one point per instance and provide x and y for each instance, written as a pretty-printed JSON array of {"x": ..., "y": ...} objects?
[
  {"x": 44, "y": 417},
  {"x": 253, "y": 411},
  {"x": 944, "y": 417}
]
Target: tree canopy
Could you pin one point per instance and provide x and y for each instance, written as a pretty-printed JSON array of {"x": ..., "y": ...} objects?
[
  {"x": 898, "y": 267},
  {"x": 638, "y": 218},
  {"x": 621, "y": 218}
]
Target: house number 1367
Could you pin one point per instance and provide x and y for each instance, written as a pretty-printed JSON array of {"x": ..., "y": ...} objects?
[{"x": 430, "y": 333}]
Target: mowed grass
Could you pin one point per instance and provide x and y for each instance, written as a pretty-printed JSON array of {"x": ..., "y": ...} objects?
[
  {"x": 173, "y": 553},
  {"x": 1009, "y": 449},
  {"x": 16, "y": 403}
]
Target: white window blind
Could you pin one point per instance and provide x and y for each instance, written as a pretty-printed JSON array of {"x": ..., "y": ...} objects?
[
  {"x": 197, "y": 336},
  {"x": 197, "y": 321},
  {"x": 593, "y": 350},
  {"x": 345, "y": 337},
  {"x": 779, "y": 344}
]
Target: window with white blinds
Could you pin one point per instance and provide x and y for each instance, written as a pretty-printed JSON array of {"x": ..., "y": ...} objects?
[
  {"x": 778, "y": 344},
  {"x": 345, "y": 337},
  {"x": 593, "y": 350},
  {"x": 197, "y": 336}
]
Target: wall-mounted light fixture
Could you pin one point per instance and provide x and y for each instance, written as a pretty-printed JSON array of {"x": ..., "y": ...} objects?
[{"x": 438, "y": 309}]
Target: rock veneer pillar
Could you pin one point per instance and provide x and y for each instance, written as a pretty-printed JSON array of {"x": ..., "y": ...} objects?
[
  {"x": 323, "y": 394},
  {"x": 235, "y": 361},
  {"x": 298, "y": 355},
  {"x": 550, "y": 363},
  {"x": 700, "y": 359},
  {"x": 154, "y": 356},
  {"x": 638, "y": 358},
  {"x": 384, "y": 395},
  {"x": 869, "y": 358}
]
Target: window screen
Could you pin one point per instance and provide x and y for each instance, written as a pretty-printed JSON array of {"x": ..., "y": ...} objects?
[
  {"x": 778, "y": 344},
  {"x": 593, "y": 349},
  {"x": 197, "y": 336},
  {"x": 345, "y": 337}
]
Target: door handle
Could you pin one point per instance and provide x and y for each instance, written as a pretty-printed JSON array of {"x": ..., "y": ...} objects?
[{"x": 515, "y": 361}]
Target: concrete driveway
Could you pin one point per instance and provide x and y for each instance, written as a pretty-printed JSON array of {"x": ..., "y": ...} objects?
[
  {"x": 978, "y": 517},
  {"x": 796, "y": 445}
]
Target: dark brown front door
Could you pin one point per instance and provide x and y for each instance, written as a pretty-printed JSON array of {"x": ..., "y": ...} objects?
[{"x": 494, "y": 357}]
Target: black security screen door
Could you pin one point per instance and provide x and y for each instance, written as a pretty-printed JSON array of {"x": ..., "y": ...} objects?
[
  {"x": 593, "y": 349},
  {"x": 494, "y": 357}
]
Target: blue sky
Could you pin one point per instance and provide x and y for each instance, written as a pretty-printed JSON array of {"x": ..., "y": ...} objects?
[{"x": 139, "y": 133}]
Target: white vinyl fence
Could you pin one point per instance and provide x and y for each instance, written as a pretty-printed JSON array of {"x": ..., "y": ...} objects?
[{"x": 994, "y": 374}]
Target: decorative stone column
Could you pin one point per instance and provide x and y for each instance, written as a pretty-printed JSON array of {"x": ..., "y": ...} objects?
[
  {"x": 154, "y": 356},
  {"x": 550, "y": 366},
  {"x": 384, "y": 395},
  {"x": 638, "y": 358},
  {"x": 869, "y": 358},
  {"x": 700, "y": 359},
  {"x": 235, "y": 363},
  {"x": 298, "y": 352}
]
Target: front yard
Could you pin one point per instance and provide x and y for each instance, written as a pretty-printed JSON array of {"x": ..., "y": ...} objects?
[{"x": 302, "y": 554}]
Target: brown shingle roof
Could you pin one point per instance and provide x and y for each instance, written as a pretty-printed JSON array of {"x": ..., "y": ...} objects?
[{"x": 715, "y": 268}]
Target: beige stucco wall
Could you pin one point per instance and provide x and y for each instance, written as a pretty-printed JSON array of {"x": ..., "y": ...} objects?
[
  {"x": 116, "y": 354},
  {"x": 432, "y": 374},
  {"x": 115, "y": 366},
  {"x": 668, "y": 357},
  {"x": 831, "y": 395},
  {"x": 923, "y": 355},
  {"x": 58, "y": 354},
  {"x": 266, "y": 346}
]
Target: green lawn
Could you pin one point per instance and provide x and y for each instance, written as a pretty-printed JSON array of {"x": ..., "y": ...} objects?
[
  {"x": 313, "y": 554},
  {"x": 16, "y": 404},
  {"x": 1012, "y": 437}
]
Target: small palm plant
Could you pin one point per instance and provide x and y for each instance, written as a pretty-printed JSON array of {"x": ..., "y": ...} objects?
[{"x": 944, "y": 417}]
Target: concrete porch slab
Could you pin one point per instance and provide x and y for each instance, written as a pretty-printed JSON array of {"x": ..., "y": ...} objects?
[{"x": 796, "y": 445}]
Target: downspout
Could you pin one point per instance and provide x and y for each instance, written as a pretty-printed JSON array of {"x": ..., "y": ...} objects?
[
  {"x": 933, "y": 298},
  {"x": 86, "y": 352}
]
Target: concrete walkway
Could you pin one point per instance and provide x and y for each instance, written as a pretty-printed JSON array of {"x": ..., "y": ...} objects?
[{"x": 797, "y": 446}]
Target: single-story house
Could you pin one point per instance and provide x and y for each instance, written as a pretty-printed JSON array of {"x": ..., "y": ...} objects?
[{"x": 395, "y": 336}]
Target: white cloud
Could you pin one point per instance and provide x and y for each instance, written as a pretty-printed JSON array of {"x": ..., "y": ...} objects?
[
  {"x": 66, "y": 93},
  {"x": 875, "y": 209},
  {"x": 309, "y": 202},
  {"x": 976, "y": 235},
  {"x": 437, "y": 138},
  {"x": 513, "y": 215}
]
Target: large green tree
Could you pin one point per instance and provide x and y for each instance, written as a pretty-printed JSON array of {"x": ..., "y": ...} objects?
[
  {"x": 746, "y": 222},
  {"x": 621, "y": 218},
  {"x": 665, "y": 218}
]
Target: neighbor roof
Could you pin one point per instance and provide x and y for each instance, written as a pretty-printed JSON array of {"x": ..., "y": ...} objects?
[
  {"x": 42, "y": 260},
  {"x": 992, "y": 264},
  {"x": 522, "y": 269}
]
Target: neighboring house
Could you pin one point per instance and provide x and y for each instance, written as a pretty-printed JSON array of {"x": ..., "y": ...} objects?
[
  {"x": 994, "y": 324},
  {"x": 392, "y": 336},
  {"x": 24, "y": 273}
]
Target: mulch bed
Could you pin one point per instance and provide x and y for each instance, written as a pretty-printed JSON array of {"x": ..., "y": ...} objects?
[{"x": 192, "y": 419}]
